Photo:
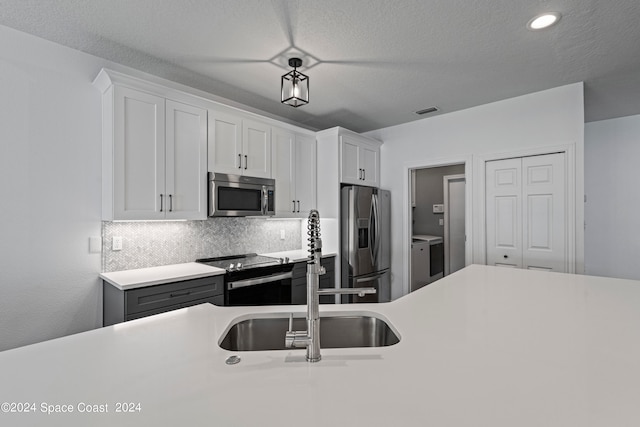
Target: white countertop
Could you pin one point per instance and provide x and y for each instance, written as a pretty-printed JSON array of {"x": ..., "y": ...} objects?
[
  {"x": 482, "y": 347},
  {"x": 141, "y": 277}
]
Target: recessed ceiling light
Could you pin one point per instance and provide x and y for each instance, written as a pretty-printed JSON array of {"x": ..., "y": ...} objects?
[{"x": 543, "y": 21}]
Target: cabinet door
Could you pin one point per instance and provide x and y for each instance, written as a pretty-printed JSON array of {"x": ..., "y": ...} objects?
[
  {"x": 349, "y": 169},
  {"x": 186, "y": 161},
  {"x": 305, "y": 177},
  {"x": 369, "y": 164},
  {"x": 225, "y": 143},
  {"x": 139, "y": 155},
  {"x": 256, "y": 148},
  {"x": 282, "y": 163}
]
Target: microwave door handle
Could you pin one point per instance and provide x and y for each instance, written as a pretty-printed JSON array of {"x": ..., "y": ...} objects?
[{"x": 265, "y": 200}]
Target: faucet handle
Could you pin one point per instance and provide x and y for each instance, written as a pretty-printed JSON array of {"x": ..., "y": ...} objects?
[{"x": 290, "y": 322}]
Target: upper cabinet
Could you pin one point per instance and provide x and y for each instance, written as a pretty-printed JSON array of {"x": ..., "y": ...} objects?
[
  {"x": 238, "y": 145},
  {"x": 294, "y": 169},
  {"x": 359, "y": 160},
  {"x": 154, "y": 154}
]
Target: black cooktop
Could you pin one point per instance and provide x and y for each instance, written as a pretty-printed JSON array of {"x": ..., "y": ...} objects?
[{"x": 240, "y": 262}]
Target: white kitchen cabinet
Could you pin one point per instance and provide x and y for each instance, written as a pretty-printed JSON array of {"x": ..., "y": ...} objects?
[
  {"x": 294, "y": 169},
  {"x": 359, "y": 160},
  {"x": 238, "y": 146},
  {"x": 154, "y": 156},
  {"x": 186, "y": 161}
]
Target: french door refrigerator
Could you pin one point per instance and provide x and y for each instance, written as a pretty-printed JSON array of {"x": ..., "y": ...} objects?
[{"x": 365, "y": 224}]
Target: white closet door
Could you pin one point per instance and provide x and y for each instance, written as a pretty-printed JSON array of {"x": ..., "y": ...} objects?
[
  {"x": 504, "y": 212},
  {"x": 526, "y": 212},
  {"x": 544, "y": 212}
]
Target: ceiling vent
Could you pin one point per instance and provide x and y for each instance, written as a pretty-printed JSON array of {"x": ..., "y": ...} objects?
[{"x": 427, "y": 110}]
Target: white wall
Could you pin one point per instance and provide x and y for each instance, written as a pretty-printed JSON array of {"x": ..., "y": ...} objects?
[
  {"x": 50, "y": 189},
  {"x": 544, "y": 119},
  {"x": 612, "y": 174}
]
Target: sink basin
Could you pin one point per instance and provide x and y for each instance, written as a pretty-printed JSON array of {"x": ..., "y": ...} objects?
[{"x": 336, "y": 331}]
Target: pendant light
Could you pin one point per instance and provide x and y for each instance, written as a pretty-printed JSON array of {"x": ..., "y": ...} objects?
[{"x": 294, "y": 85}]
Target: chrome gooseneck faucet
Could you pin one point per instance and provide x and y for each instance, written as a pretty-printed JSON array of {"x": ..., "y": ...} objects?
[{"x": 311, "y": 337}]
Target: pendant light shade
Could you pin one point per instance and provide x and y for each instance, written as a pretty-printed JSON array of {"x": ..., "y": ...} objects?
[{"x": 294, "y": 85}]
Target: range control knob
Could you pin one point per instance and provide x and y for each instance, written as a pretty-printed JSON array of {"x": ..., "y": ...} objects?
[
  {"x": 231, "y": 266},
  {"x": 238, "y": 266}
]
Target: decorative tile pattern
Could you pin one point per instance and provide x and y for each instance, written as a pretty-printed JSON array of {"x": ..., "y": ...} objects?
[{"x": 149, "y": 244}]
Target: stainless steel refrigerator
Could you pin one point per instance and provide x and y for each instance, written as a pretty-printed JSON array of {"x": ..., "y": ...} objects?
[{"x": 365, "y": 230}]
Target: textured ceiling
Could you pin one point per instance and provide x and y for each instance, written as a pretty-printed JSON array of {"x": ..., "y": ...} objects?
[{"x": 371, "y": 63}]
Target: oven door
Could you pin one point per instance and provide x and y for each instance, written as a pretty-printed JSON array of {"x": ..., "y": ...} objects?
[{"x": 259, "y": 286}]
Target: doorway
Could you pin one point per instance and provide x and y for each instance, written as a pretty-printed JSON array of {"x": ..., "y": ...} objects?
[{"x": 437, "y": 216}]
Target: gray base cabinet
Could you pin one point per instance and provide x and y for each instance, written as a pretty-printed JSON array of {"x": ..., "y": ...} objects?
[
  {"x": 120, "y": 306},
  {"x": 299, "y": 281}
]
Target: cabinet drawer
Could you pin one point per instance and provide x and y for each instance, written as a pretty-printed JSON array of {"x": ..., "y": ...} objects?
[
  {"x": 217, "y": 300},
  {"x": 174, "y": 295}
]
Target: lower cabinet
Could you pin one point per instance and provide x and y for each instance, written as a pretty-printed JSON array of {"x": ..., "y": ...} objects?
[
  {"x": 120, "y": 306},
  {"x": 299, "y": 281}
]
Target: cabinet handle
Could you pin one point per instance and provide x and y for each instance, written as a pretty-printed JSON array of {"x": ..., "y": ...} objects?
[
  {"x": 364, "y": 174},
  {"x": 239, "y": 161},
  {"x": 161, "y": 201},
  {"x": 505, "y": 257},
  {"x": 246, "y": 161},
  {"x": 298, "y": 205},
  {"x": 170, "y": 203},
  {"x": 179, "y": 294},
  {"x": 294, "y": 206}
]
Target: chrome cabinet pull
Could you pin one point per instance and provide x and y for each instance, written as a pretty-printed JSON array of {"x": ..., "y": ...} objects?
[
  {"x": 239, "y": 161},
  {"x": 246, "y": 161},
  {"x": 294, "y": 206},
  {"x": 364, "y": 174},
  {"x": 170, "y": 202},
  {"x": 161, "y": 201},
  {"x": 298, "y": 205}
]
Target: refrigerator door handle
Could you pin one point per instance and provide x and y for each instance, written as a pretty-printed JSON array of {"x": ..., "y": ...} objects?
[
  {"x": 370, "y": 278},
  {"x": 372, "y": 230},
  {"x": 376, "y": 225}
]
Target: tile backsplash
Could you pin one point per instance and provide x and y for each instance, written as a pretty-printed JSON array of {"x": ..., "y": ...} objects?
[{"x": 149, "y": 244}]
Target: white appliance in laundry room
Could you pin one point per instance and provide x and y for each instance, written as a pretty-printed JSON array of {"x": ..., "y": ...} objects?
[{"x": 427, "y": 260}]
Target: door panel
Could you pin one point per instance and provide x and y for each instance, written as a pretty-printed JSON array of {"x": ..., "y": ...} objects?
[
  {"x": 186, "y": 161},
  {"x": 544, "y": 224},
  {"x": 139, "y": 154},
  {"x": 503, "y": 220}
]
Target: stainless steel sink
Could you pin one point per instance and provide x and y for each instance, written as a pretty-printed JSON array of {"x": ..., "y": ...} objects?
[{"x": 267, "y": 333}]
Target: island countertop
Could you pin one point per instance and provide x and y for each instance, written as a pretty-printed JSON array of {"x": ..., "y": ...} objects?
[{"x": 485, "y": 346}]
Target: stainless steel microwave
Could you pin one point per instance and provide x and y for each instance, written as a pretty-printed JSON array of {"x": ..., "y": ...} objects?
[{"x": 238, "y": 195}]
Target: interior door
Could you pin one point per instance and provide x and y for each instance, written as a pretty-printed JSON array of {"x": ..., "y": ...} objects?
[
  {"x": 543, "y": 220},
  {"x": 504, "y": 212},
  {"x": 526, "y": 212},
  {"x": 454, "y": 223}
]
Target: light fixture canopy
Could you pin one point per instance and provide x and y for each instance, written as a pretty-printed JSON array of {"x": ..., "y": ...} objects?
[
  {"x": 544, "y": 20},
  {"x": 294, "y": 86}
]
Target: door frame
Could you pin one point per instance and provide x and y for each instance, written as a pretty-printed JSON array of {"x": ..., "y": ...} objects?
[
  {"x": 445, "y": 183},
  {"x": 480, "y": 249},
  {"x": 467, "y": 161}
]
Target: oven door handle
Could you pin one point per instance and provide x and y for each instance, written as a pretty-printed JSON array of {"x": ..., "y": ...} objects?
[{"x": 259, "y": 280}]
